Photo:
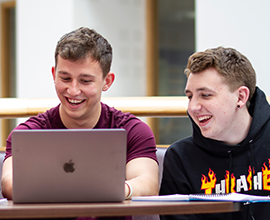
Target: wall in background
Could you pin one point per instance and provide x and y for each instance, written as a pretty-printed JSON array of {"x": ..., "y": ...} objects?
[
  {"x": 242, "y": 25},
  {"x": 40, "y": 24},
  {"x": 122, "y": 23}
]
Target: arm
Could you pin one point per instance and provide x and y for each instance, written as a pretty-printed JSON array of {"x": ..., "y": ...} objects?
[
  {"x": 142, "y": 171},
  {"x": 175, "y": 181},
  {"x": 36, "y": 122},
  {"x": 6, "y": 181},
  {"x": 142, "y": 174}
]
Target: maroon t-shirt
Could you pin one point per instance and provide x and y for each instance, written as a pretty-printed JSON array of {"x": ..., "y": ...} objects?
[{"x": 140, "y": 138}]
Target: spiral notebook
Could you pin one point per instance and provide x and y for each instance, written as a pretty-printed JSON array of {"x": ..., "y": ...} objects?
[{"x": 230, "y": 197}]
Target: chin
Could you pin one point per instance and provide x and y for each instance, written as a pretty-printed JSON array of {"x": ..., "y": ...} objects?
[
  {"x": 206, "y": 134},
  {"x": 73, "y": 114}
]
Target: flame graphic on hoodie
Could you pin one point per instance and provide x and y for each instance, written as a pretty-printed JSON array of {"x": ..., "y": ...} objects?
[
  {"x": 266, "y": 176},
  {"x": 227, "y": 179},
  {"x": 258, "y": 181},
  {"x": 208, "y": 185},
  {"x": 249, "y": 177}
]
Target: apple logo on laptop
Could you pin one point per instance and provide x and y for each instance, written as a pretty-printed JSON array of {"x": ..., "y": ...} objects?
[{"x": 69, "y": 166}]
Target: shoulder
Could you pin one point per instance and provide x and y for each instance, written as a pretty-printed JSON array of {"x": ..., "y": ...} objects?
[
  {"x": 113, "y": 118},
  {"x": 140, "y": 138},
  {"x": 181, "y": 147},
  {"x": 180, "y": 156},
  {"x": 106, "y": 109},
  {"x": 47, "y": 120}
]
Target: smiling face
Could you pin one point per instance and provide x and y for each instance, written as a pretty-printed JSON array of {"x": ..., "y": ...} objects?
[
  {"x": 212, "y": 106},
  {"x": 79, "y": 85}
]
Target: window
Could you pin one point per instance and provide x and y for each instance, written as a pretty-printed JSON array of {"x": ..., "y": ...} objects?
[
  {"x": 8, "y": 61},
  {"x": 171, "y": 27}
]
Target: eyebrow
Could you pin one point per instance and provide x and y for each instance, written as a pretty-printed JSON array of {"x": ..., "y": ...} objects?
[
  {"x": 63, "y": 72},
  {"x": 203, "y": 89},
  {"x": 81, "y": 75}
]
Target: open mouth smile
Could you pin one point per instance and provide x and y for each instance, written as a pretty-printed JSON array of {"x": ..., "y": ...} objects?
[
  {"x": 75, "y": 101},
  {"x": 204, "y": 119}
]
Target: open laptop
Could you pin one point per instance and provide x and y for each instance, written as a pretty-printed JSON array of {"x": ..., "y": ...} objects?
[{"x": 69, "y": 165}]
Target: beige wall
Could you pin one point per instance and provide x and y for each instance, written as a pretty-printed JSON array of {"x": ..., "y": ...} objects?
[
  {"x": 40, "y": 23},
  {"x": 239, "y": 24}
]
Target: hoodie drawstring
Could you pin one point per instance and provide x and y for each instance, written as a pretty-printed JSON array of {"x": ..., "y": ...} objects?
[
  {"x": 230, "y": 169},
  {"x": 252, "y": 169},
  {"x": 230, "y": 172}
]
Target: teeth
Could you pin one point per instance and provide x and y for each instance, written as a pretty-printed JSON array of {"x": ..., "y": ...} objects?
[
  {"x": 75, "y": 101},
  {"x": 204, "y": 118}
]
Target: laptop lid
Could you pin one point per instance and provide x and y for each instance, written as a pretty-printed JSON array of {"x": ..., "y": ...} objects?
[{"x": 69, "y": 165}]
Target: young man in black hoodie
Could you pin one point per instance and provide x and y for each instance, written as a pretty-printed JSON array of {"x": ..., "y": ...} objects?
[{"x": 229, "y": 150}]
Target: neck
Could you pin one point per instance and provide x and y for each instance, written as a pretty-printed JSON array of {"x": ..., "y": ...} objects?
[
  {"x": 87, "y": 121},
  {"x": 242, "y": 127}
]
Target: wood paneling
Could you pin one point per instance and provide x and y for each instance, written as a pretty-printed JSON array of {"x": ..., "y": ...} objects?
[{"x": 5, "y": 61}]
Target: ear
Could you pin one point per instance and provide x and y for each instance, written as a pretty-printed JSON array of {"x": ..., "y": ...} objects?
[
  {"x": 243, "y": 95},
  {"x": 108, "y": 81},
  {"x": 53, "y": 73}
]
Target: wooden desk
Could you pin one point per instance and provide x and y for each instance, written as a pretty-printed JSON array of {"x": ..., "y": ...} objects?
[{"x": 9, "y": 210}]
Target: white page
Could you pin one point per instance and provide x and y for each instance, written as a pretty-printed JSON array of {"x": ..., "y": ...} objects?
[
  {"x": 163, "y": 198},
  {"x": 231, "y": 197}
]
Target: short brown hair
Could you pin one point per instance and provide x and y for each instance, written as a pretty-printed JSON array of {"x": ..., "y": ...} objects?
[
  {"x": 230, "y": 63},
  {"x": 84, "y": 42}
]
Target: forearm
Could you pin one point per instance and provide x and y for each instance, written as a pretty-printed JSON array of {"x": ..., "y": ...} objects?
[
  {"x": 6, "y": 181},
  {"x": 142, "y": 175},
  {"x": 6, "y": 187},
  {"x": 142, "y": 186}
]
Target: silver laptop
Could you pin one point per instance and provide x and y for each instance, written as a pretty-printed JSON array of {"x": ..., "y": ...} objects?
[{"x": 69, "y": 165}]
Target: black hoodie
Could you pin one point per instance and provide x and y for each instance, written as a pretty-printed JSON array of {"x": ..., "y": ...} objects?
[{"x": 201, "y": 165}]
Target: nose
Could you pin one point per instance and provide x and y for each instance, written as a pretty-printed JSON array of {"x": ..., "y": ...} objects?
[
  {"x": 194, "y": 105},
  {"x": 74, "y": 88}
]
